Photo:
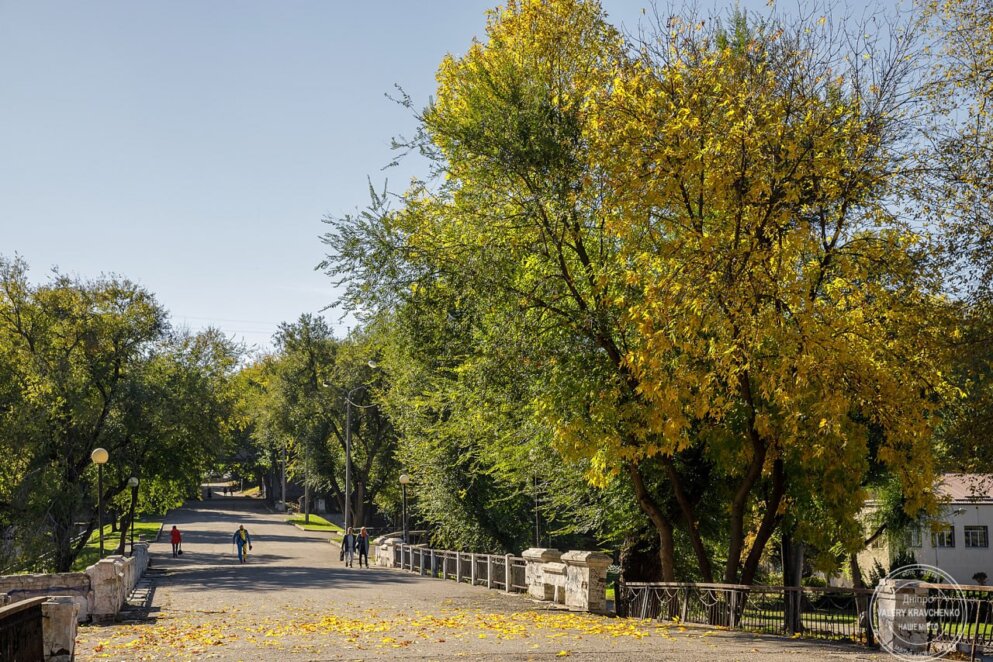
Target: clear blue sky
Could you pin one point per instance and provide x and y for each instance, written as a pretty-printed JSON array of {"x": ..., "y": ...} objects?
[{"x": 195, "y": 145}]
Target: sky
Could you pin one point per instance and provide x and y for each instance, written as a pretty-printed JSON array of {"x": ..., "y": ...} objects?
[{"x": 194, "y": 146}]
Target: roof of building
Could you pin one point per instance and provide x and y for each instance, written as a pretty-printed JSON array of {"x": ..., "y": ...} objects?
[{"x": 966, "y": 488}]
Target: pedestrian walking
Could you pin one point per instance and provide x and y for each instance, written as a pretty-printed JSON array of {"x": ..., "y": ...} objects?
[
  {"x": 176, "y": 538},
  {"x": 348, "y": 547},
  {"x": 243, "y": 540},
  {"x": 362, "y": 546}
]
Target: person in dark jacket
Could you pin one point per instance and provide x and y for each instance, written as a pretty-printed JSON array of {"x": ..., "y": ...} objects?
[
  {"x": 242, "y": 539},
  {"x": 348, "y": 545},
  {"x": 362, "y": 546}
]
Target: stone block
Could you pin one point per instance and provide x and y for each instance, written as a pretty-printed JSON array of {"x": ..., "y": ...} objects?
[
  {"x": 901, "y": 608},
  {"x": 386, "y": 551},
  {"x": 586, "y": 581},
  {"x": 59, "y": 616},
  {"x": 535, "y": 559},
  {"x": 107, "y": 584}
]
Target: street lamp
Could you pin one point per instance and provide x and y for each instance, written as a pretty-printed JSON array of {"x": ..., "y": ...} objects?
[
  {"x": 100, "y": 457},
  {"x": 404, "y": 479},
  {"x": 133, "y": 483}
]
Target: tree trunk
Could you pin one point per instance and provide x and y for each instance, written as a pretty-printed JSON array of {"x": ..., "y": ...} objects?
[
  {"x": 736, "y": 537},
  {"x": 667, "y": 554},
  {"x": 359, "y": 519},
  {"x": 770, "y": 520},
  {"x": 861, "y": 600},
  {"x": 123, "y": 541},
  {"x": 792, "y": 574},
  {"x": 692, "y": 526}
]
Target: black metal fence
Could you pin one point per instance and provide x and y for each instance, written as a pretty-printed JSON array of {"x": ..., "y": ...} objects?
[
  {"x": 948, "y": 628},
  {"x": 817, "y": 612},
  {"x": 831, "y": 613}
]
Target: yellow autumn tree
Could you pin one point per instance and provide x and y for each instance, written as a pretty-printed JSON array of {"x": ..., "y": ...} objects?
[
  {"x": 780, "y": 315},
  {"x": 694, "y": 236}
]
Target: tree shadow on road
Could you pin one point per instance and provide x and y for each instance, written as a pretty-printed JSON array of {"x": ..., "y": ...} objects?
[{"x": 259, "y": 574}]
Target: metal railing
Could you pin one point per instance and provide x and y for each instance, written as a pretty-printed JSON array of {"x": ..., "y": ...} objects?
[
  {"x": 828, "y": 612},
  {"x": 505, "y": 573},
  {"x": 949, "y": 629},
  {"x": 817, "y": 612}
]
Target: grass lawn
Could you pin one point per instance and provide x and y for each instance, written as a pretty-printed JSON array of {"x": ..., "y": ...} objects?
[
  {"x": 317, "y": 523},
  {"x": 143, "y": 532}
]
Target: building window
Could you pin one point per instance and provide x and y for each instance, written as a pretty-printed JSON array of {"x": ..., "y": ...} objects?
[
  {"x": 914, "y": 537},
  {"x": 977, "y": 536},
  {"x": 944, "y": 537}
]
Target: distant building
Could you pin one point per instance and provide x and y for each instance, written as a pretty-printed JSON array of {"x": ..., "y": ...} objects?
[{"x": 956, "y": 541}]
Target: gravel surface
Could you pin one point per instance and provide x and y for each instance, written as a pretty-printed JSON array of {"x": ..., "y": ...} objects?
[{"x": 294, "y": 600}]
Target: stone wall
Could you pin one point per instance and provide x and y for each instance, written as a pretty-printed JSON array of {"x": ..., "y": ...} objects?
[
  {"x": 111, "y": 581},
  {"x": 99, "y": 592},
  {"x": 73, "y": 584}
]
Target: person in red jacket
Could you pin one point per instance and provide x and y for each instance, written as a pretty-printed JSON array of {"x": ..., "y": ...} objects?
[{"x": 177, "y": 541}]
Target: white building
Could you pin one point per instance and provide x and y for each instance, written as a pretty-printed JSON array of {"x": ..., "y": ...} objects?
[{"x": 956, "y": 541}]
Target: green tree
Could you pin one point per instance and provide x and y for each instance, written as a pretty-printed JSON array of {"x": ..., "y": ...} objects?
[
  {"x": 690, "y": 250},
  {"x": 91, "y": 364}
]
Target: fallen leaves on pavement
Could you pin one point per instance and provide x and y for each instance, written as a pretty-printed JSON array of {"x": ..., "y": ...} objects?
[{"x": 196, "y": 636}]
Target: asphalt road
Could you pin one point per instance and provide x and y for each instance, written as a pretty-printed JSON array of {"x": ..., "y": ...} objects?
[{"x": 295, "y": 601}]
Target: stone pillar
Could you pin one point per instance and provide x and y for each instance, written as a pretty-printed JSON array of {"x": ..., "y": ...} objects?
[
  {"x": 508, "y": 574},
  {"x": 106, "y": 582},
  {"x": 586, "y": 581},
  {"x": 534, "y": 575},
  {"x": 901, "y": 608},
  {"x": 59, "y": 628},
  {"x": 472, "y": 569},
  {"x": 489, "y": 571},
  {"x": 458, "y": 566},
  {"x": 386, "y": 553}
]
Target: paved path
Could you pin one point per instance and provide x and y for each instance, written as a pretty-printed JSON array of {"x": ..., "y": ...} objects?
[{"x": 294, "y": 601}]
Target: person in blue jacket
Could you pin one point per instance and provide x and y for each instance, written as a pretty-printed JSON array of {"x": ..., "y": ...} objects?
[{"x": 242, "y": 539}]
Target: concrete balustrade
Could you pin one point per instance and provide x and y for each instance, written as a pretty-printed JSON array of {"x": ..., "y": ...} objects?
[
  {"x": 99, "y": 593},
  {"x": 576, "y": 580}
]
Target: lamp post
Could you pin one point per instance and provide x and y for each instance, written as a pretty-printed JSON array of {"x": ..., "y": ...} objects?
[
  {"x": 99, "y": 456},
  {"x": 404, "y": 479},
  {"x": 306, "y": 484},
  {"x": 133, "y": 484},
  {"x": 285, "y": 444}
]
